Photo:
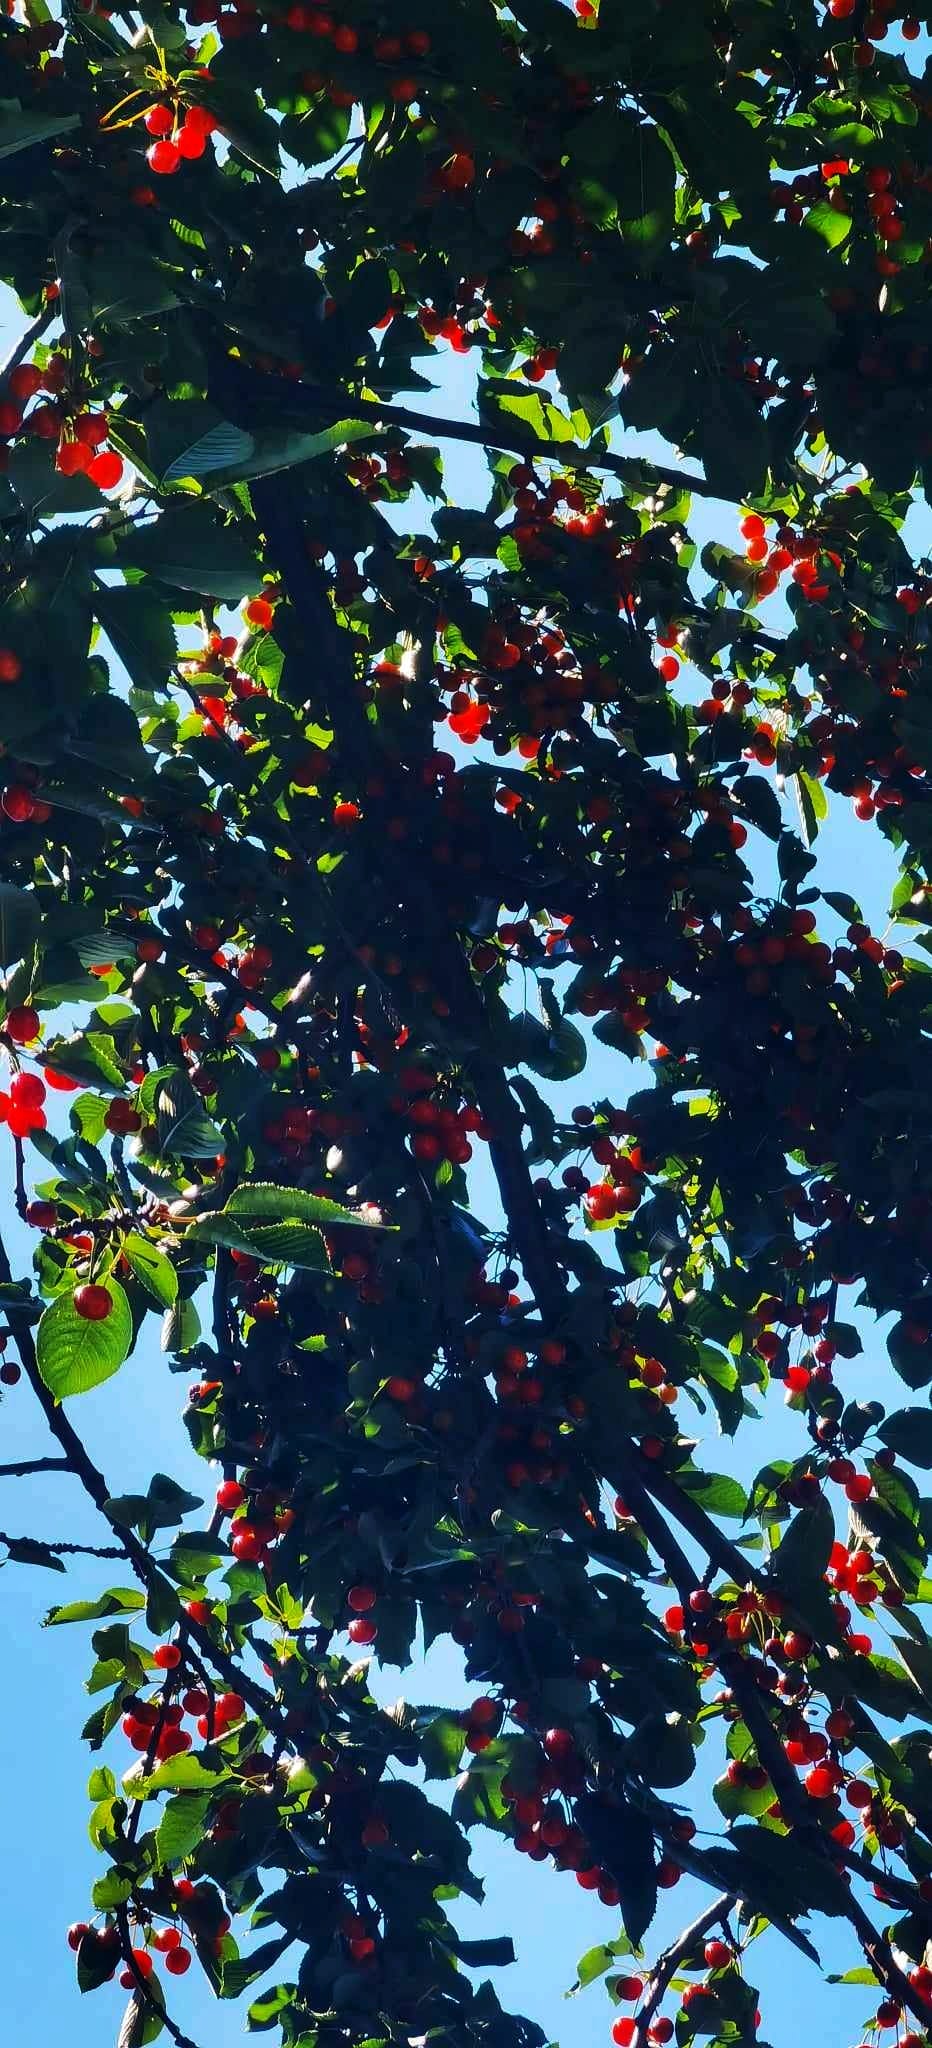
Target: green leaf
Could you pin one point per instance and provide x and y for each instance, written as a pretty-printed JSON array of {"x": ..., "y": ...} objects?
[
  {"x": 181, "y": 1326},
  {"x": 19, "y": 130},
  {"x": 240, "y": 1971},
  {"x": 715, "y": 1492},
  {"x": 495, "y": 1953},
  {"x": 74, "y": 1354},
  {"x": 181, "y": 1826},
  {"x": 805, "y": 1546},
  {"x": 190, "y": 438},
  {"x": 140, "y": 631},
  {"x": 119, "y": 1600},
  {"x": 831, "y": 226},
  {"x": 266, "y": 2008},
  {"x": 178, "y": 1774},
  {"x": 192, "y": 548},
  {"x": 442, "y": 1742},
  {"x": 151, "y": 1268},
  {"x": 29, "y": 1550},
  {"x": 284, "y": 449},
  {"x": 909, "y": 1433},
  {"x": 183, "y": 1126},
  {"x": 263, "y": 1198},
  {"x": 162, "y": 1603},
  {"x": 594, "y": 1964},
  {"x": 163, "y": 1507},
  {"x": 19, "y": 923}
]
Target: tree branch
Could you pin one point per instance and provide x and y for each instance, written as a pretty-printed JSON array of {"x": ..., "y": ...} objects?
[{"x": 309, "y": 401}]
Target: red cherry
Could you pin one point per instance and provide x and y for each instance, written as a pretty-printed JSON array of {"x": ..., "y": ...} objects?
[
  {"x": 28, "y": 1090},
  {"x": 361, "y": 1631},
  {"x": 24, "y": 381},
  {"x": 18, "y": 802},
  {"x": 191, "y": 143},
  {"x": 107, "y": 467},
  {"x": 361, "y": 1599},
  {"x": 11, "y": 668},
  {"x": 72, "y": 458},
  {"x": 93, "y": 1303},
  {"x": 159, "y": 121},
  {"x": 458, "y": 173},
  {"x": 258, "y": 612},
  {"x": 60, "y": 1082},
  {"x": 177, "y": 1961},
  {"x": 200, "y": 117},
  {"x": 166, "y": 1656},
  {"x": 230, "y": 1495},
  {"x": 163, "y": 158},
  {"x": 22, "y": 1023}
]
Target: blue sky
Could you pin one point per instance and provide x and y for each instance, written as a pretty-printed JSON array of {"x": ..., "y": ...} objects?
[{"x": 132, "y": 1427}]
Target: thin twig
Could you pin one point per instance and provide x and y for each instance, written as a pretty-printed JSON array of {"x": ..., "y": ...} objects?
[
  {"x": 143, "y": 1987},
  {"x": 92, "y": 1479},
  {"x": 26, "y": 340},
  {"x": 20, "y": 1194},
  {"x": 66, "y": 1549},
  {"x": 24, "y": 1467}
]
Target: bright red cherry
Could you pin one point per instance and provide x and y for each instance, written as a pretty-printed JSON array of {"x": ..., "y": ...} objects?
[
  {"x": 163, "y": 158},
  {"x": 92, "y": 1302},
  {"x": 159, "y": 121},
  {"x": 106, "y": 469}
]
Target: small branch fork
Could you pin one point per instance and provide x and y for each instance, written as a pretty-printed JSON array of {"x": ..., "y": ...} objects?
[
  {"x": 669, "y": 1962},
  {"x": 144, "y": 1991}
]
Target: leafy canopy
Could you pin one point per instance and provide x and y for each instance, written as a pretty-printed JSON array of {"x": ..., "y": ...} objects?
[{"x": 342, "y": 827}]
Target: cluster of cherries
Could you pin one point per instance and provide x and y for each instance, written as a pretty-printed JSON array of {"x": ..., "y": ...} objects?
[
  {"x": 79, "y": 432},
  {"x": 196, "y": 1904},
  {"x": 179, "y": 136}
]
